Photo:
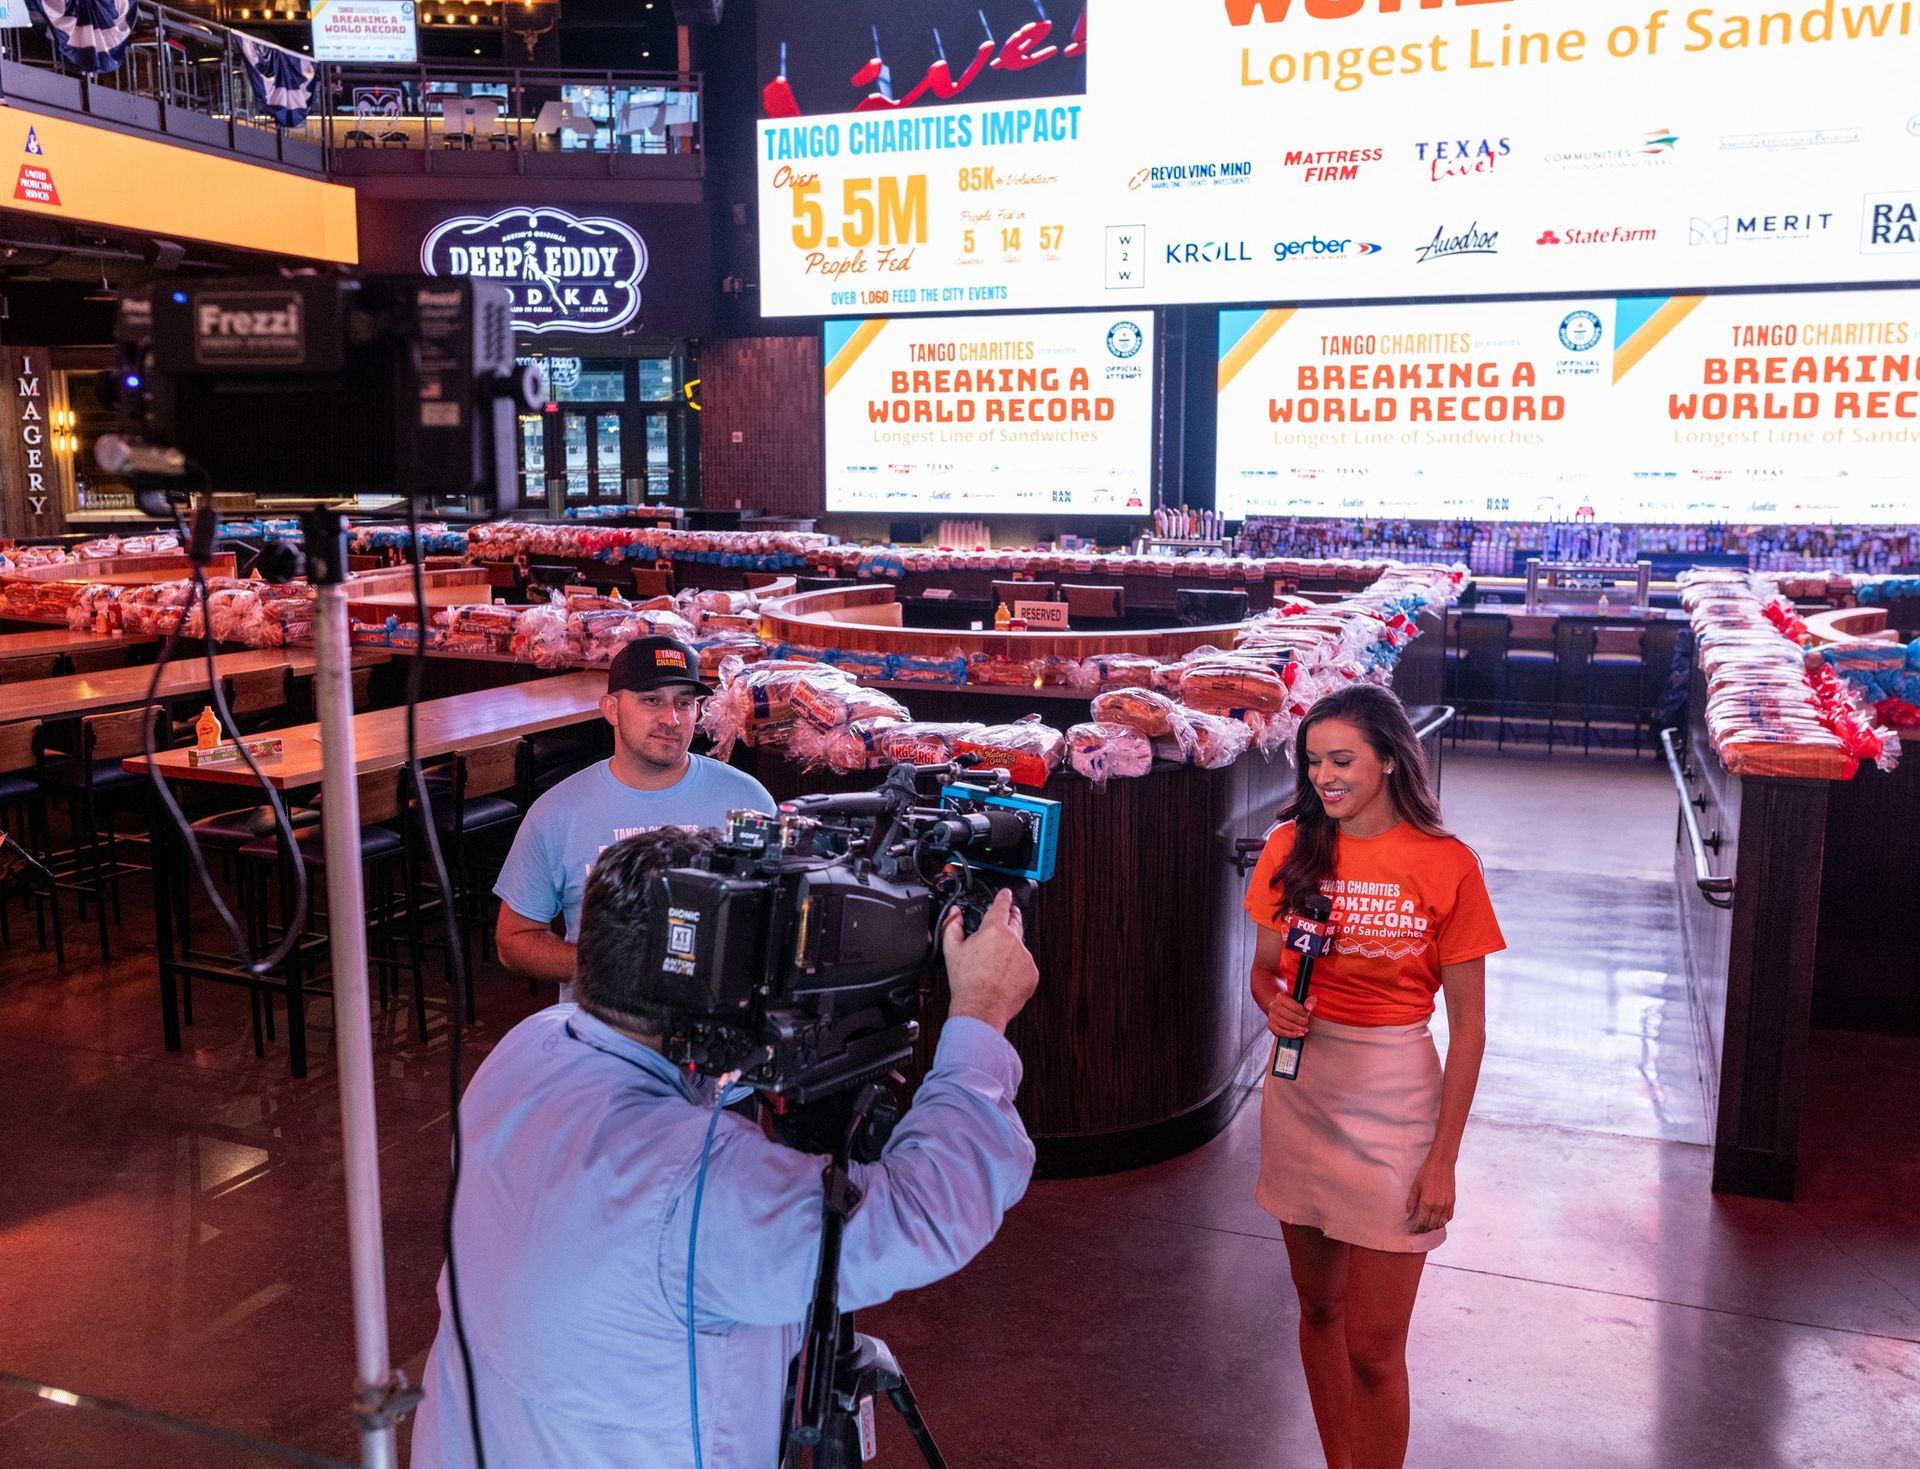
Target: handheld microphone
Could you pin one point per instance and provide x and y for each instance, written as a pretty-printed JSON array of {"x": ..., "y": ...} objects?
[{"x": 1309, "y": 937}]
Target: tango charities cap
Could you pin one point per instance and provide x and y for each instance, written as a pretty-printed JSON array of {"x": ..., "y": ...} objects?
[{"x": 654, "y": 663}]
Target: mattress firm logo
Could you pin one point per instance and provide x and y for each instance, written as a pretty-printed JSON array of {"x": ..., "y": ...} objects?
[
  {"x": 249, "y": 328},
  {"x": 565, "y": 274}
]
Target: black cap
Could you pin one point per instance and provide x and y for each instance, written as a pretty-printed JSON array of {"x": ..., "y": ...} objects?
[{"x": 654, "y": 663}]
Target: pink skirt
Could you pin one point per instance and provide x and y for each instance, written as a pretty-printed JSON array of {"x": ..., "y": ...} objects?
[{"x": 1341, "y": 1143}]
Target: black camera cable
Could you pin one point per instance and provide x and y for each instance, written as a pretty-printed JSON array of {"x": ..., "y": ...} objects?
[
  {"x": 457, "y": 978},
  {"x": 198, "y": 544}
]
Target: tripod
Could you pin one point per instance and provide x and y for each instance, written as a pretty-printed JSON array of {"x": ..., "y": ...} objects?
[{"x": 839, "y": 1372}]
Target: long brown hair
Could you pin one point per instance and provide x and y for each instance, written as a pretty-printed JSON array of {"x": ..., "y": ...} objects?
[{"x": 1383, "y": 723}]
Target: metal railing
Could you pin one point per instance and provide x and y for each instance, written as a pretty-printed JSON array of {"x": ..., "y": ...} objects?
[
  {"x": 1716, "y": 890},
  {"x": 520, "y": 116},
  {"x": 184, "y": 76}
]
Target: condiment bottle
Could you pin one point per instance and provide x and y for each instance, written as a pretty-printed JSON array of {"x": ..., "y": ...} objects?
[
  {"x": 206, "y": 729},
  {"x": 1002, "y": 618}
]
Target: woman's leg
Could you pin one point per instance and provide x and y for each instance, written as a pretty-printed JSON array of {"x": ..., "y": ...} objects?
[
  {"x": 1381, "y": 1287},
  {"x": 1319, "y": 1268}
]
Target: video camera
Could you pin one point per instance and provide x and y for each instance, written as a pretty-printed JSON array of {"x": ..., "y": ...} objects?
[
  {"x": 319, "y": 387},
  {"x": 799, "y": 951}
]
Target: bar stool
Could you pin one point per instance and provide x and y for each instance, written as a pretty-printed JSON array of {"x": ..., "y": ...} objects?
[
  {"x": 1023, "y": 591},
  {"x": 478, "y": 796},
  {"x": 1615, "y": 679},
  {"x": 1480, "y": 687},
  {"x": 258, "y": 699},
  {"x": 1659, "y": 644},
  {"x": 23, "y": 811},
  {"x": 1095, "y": 604},
  {"x": 96, "y": 787},
  {"x": 1573, "y": 643},
  {"x": 382, "y": 851},
  {"x": 96, "y": 660},
  {"x": 25, "y": 670},
  {"x": 1530, "y": 673}
]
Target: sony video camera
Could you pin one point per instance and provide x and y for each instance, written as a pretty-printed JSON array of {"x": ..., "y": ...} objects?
[
  {"x": 798, "y": 953},
  {"x": 321, "y": 387}
]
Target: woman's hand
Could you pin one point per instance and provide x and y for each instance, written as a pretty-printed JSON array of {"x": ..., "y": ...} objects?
[
  {"x": 1286, "y": 1016},
  {"x": 1430, "y": 1200}
]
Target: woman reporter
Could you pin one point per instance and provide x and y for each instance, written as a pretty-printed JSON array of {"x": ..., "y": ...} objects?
[{"x": 1357, "y": 1153}]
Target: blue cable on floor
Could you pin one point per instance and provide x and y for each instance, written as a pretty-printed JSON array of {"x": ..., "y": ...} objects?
[{"x": 693, "y": 1243}]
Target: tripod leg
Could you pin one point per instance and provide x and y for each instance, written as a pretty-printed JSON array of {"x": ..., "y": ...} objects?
[{"x": 909, "y": 1410}]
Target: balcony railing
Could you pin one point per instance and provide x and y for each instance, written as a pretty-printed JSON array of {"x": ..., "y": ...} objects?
[
  {"x": 461, "y": 119},
  {"x": 183, "y": 76}
]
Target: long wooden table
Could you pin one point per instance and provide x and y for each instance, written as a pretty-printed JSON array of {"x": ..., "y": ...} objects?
[
  {"x": 60, "y": 641},
  {"x": 443, "y": 726},
  {"x": 124, "y": 688}
]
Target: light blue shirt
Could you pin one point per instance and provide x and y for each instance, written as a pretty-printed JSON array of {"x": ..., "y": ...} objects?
[
  {"x": 581, "y": 1152},
  {"x": 567, "y": 829}
]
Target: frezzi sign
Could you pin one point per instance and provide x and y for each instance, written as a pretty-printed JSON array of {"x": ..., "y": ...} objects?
[{"x": 566, "y": 274}]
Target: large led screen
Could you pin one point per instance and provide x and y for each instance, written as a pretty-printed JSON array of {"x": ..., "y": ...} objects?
[
  {"x": 991, "y": 415},
  {"x": 940, "y": 155},
  {"x": 1763, "y": 408}
]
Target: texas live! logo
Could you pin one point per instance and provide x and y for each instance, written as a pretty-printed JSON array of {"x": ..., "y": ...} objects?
[{"x": 1890, "y": 224}]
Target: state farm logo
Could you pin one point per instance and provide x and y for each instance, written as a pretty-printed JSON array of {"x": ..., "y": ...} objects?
[
  {"x": 1209, "y": 252},
  {"x": 1316, "y": 248},
  {"x": 1606, "y": 235},
  {"x": 1459, "y": 158},
  {"x": 1890, "y": 224},
  {"x": 1191, "y": 175},
  {"x": 1447, "y": 243},
  {"x": 1331, "y": 165},
  {"x": 1756, "y": 229}
]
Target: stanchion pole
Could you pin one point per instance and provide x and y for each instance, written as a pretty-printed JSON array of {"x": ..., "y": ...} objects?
[{"x": 379, "y": 1398}]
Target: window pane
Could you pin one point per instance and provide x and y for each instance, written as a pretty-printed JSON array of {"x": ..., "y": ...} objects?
[
  {"x": 658, "y": 380},
  {"x": 608, "y": 484},
  {"x": 574, "y": 438},
  {"x": 533, "y": 457},
  {"x": 592, "y": 381}
]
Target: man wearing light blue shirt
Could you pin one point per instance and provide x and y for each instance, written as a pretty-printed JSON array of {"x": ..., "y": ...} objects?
[
  {"x": 653, "y": 702},
  {"x": 582, "y": 1154}
]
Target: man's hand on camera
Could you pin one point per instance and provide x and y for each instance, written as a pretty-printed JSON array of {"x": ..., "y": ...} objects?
[{"x": 989, "y": 972}]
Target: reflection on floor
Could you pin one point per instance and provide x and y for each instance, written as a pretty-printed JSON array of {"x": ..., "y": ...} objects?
[{"x": 171, "y": 1225}]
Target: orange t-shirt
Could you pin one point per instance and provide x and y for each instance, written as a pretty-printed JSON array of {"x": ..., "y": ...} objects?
[{"x": 1404, "y": 904}]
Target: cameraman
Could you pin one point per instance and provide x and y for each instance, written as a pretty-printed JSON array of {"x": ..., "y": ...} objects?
[{"x": 582, "y": 1158}]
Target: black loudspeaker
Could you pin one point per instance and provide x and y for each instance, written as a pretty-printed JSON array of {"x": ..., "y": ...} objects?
[
  {"x": 165, "y": 254},
  {"x": 1208, "y": 606},
  {"x": 698, "y": 12}
]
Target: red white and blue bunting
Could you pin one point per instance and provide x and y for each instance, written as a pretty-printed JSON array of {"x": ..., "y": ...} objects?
[
  {"x": 89, "y": 35},
  {"x": 282, "y": 80}
]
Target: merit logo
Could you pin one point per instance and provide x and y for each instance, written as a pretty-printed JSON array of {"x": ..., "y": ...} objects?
[
  {"x": 1334, "y": 165},
  {"x": 1746, "y": 229},
  {"x": 1470, "y": 241},
  {"x": 1890, "y": 224},
  {"x": 1458, "y": 158}
]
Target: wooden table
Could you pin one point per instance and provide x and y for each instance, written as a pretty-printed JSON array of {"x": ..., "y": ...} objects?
[
  {"x": 443, "y": 726},
  {"x": 460, "y": 721},
  {"x": 124, "y": 688},
  {"x": 60, "y": 641}
]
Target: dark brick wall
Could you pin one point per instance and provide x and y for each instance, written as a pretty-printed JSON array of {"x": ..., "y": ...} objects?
[{"x": 767, "y": 391}]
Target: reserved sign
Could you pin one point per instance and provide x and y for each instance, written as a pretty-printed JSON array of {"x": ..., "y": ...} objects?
[{"x": 1042, "y": 616}]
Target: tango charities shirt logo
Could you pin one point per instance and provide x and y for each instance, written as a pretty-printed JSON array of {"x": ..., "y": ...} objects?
[
  {"x": 1191, "y": 175},
  {"x": 1459, "y": 158},
  {"x": 1605, "y": 235},
  {"x": 1890, "y": 224},
  {"x": 1332, "y": 165},
  {"x": 564, "y": 273},
  {"x": 1752, "y": 229},
  {"x": 1470, "y": 241}
]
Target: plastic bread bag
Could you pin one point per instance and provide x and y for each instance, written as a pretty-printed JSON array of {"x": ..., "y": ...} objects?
[
  {"x": 912, "y": 668},
  {"x": 544, "y": 638},
  {"x": 1152, "y": 714},
  {"x": 923, "y": 743},
  {"x": 1102, "y": 752},
  {"x": 714, "y": 651},
  {"x": 850, "y": 748},
  {"x": 861, "y": 662},
  {"x": 229, "y": 610},
  {"x": 665, "y": 625},
  {"x": 1027, "y": 750},
  {"x": 1222, "y": 685},
  {"x": 1217, "y": 741},
  {"x": 994, "y": 670},
  {"x": 723, "y": 602},
  {"x": 601, "y": 633},
  {"x": 755, "y": 702},
  {"x": 829, "y": 700},
  {"x": 1118, "y": 671}
]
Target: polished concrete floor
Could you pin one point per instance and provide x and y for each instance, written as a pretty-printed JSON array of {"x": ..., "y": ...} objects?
[{"x": 171, "y": 1225}]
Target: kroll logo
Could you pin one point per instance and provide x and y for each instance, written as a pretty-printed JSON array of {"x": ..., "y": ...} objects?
[{"x": 1209, "y": 252}]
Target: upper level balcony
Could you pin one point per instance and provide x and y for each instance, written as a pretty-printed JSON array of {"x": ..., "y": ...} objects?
[{"x": 184, "y": 77}]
